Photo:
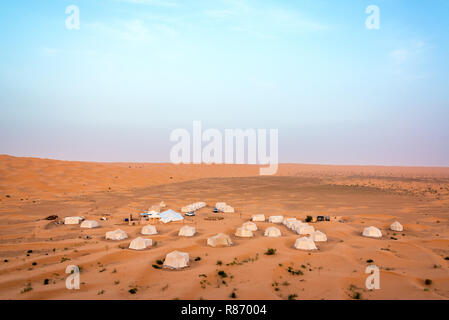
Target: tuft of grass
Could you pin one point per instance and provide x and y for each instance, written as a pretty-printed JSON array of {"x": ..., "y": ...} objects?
[
  {"x": 116, "y": 282},
  {"x": 270, "y": 252},
  {"x": 100, "y": 292},
  {"x": 295, "y": 272},
  {"x": 63, "y": 259},
  {"x": 357, "y": 296},
  {"x": 27, "y": 288},
  {"x": 428, "y": 282},
  {"x": 219, "y": 263},
  {"x": 222, "y": 274}
]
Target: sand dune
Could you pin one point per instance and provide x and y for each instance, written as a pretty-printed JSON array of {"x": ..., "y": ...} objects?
[{"x": 32, "y": 189}]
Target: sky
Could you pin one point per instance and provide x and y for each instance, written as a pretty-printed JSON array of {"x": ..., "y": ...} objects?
[{"x": 338, "y": 92}]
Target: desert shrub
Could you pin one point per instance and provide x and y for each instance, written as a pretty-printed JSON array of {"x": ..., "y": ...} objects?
[
  {"x": 428, "y": 282},
  {"x": 294, "y": 272},
  {"x": 222, "y": 274},
  {"x": 270, "y": 251},
  {"x": 63, "y": 259},
  {"x": 357, "y": 296},
  {"x": 219, "y": 263},
  {"x": 156, "y": 266},
  {"x": 309, "y": 219},
  {"x": 197, "y": 258},
  {"x": 132, "y": 290},
  {"x": 370, "y": 261},
  {"x": 233, "y": 295},
  {"x": 46, "y": 281},
  {"x": 292, "y": 296},
  {"x": 159, "y": 262}
]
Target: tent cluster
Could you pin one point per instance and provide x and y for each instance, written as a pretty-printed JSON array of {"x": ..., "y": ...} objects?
[
  {"x": 223, "y": 207},
  {"x": 193, "y": 207},
  {"x": 165, "y": 216}
]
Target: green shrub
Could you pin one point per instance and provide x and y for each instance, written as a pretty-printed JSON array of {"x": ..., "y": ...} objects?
[
  {"x": 309, "y": 219},
  {"x": 270, "y": 251},
  {"x": 428, "y": 282},
  {"x": 222, "y": 274},
  {"x": 132, "y": 290}
]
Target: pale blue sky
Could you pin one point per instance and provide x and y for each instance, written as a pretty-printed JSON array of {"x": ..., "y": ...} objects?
[{"x": 137, "y": 69}]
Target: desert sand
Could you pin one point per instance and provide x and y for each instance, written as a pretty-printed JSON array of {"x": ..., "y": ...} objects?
[{"x": 32, "y": 189}]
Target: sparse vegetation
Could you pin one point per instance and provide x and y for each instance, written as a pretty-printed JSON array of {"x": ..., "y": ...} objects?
[
  {"x": 27, "y": 288},
  {"x": 356, "y": 295},
  {"x": 294, "y": 272},
  {"x": 270, "y": 251},
  {"x": 292, "y": 296},
  {"x": 64, "y": 259},
  {"x": 132, "y": 290},
  {"x": 428, "y": 282},
  {"x": 222, "y": 274},
  {"x": 219, "y": 263}
]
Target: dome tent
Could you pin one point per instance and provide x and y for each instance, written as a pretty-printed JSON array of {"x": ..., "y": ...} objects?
[
  {"x": 89, "y": 224},
  {"x": 276, "y": 219},
  {"x": 305, "y": 229},
  {"x": 318, "y": 236},
  {"x": 73, "y": 220},
  {"x": 148, "y": 230},
  {"x": 372, "y": 232},
  {"x": 286, "y": 220},
  {"x": 251, "y": 226},
  {"x": 219, "y": 240},
  {"x": 305, "y": 243},
  {"x": 176, "y": 260},
  {"x": 258, "y": 218},
  {"x": 244, "y": 233},
  {"x": 140, "y": 243},
  {"x": 187, "y": 231},
  {"x": 293, "y": 224},
  {"x": 116, "y": 235},
  {"x": 396, "y": 226},
  {"x": 272, "y": 232}
]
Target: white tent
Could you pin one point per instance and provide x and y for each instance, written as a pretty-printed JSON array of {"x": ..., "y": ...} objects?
[
  {"x": 220, "y": 240},
  {"x": 73, "y": 220},
  {"x": 251, "y": 226},
  {"x": 305, "y": 243},
  {"x": 140, "y": 243},
  {"x": 272, "y": 232},
  {"x": 244, "y": 233},
  {"x": 193, "y": 207},
  {"x": 148, "y": 230},
  {"x": 258, "y": 218},
  {"x": 292, "y": 225},
  {"x": 176, "y": 260},
  {"x": 276, "y": 219},
  {"x": 170, "y": 215},
  {"x": 396, "y": 226},
  {"x": 318, "y": 236},
  {"x": 89, "y": 224},
  {"x": 116, "y": 235},
  {"x": 372, "y": 232},
  {"x": 286, "y": 220},
  {"x": 187, "y": 231},
  {"x": 305, "y": 229},
  {"x": 228, "y": 209}
]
